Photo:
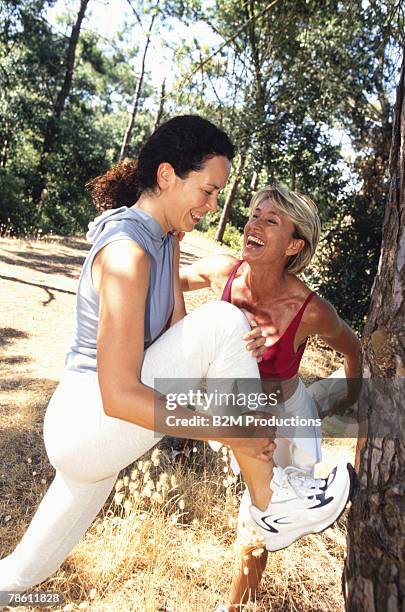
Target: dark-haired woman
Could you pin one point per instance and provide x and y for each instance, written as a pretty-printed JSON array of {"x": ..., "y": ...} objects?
[
  {"x": 130, "y": 329},
  {"x": 133, "y": 343}
]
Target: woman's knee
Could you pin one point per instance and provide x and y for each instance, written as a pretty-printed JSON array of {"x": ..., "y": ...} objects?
[{"x": 223, "y": 314}]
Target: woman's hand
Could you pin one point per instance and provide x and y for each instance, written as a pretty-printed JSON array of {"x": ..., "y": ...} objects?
[
  {"x": 256, "y": 448},
  {"x": 339, "y": 406},
  {"x": 255, "y": 338}
]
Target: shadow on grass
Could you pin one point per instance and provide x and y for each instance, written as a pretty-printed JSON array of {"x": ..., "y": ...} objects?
[
  {"x": 27, "y": 384},
  {"x": 48, "y": 290},
  {"x": 13, "y": 380},
  {"x": 10, "y": 334},
  {"x": 67, "y": 265},
  {"x": 24, "y": 440},
  {"x": 19, "y": 359},
  {"x": 75, "y": 243},
  {"x": 24, "y": 464}
]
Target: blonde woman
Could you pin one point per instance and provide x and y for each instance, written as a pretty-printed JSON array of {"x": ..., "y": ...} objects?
[{"x": 280, "y": 239}]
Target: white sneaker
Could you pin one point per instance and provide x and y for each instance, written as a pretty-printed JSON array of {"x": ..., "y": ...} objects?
[{"x": 301, "y": 504}]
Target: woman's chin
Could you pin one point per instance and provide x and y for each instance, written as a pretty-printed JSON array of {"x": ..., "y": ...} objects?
[
  {"x": 255, "y": 256},
  {"x": 248, "y": 253},
  {"x": 189, "y": 225},
  {"x": 184, "y": 227}
]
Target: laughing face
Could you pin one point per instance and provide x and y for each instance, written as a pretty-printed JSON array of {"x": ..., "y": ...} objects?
[
  {"x": 194, "y": 196},
  {"x": 269, "y": 235}
]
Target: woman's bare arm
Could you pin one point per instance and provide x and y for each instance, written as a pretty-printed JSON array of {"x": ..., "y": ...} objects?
[
  {"x": 209, "y": 271},
  {"x": 123, "y": 280},
  {"x": 340, "y": 337}
]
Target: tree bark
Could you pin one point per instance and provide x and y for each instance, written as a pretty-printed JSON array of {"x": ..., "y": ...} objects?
[
  {"x": 226, "y": 211},
  {"x": 128, "y": 132},
  {"x": 51, "y": 129},
  {"x": 374, "y": 573},
  {"x": 70, "y": 61},
  {"x": 159, "y": 114}
]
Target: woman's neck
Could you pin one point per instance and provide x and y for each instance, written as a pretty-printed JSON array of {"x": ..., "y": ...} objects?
[
  {"x": 155, "y": 208},
  {"x": 263, "y": 282}
]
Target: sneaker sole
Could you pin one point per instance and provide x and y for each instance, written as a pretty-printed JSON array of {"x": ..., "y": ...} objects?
[{"x": 319, "y": 529}]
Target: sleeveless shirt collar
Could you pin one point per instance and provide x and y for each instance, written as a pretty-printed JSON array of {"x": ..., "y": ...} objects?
[{"x": 148, "y": 223}]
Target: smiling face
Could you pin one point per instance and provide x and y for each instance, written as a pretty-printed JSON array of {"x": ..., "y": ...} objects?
[
  {"x": 191, "y": 198},
  {"x": 269, "y": 236}
]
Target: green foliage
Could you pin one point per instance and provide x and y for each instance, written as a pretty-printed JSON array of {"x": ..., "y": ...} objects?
[
  {"x": 88, "y": 131},
  {"x": 18, "y": 216},
  {"x": 344, "y": 269},
  {"x": 280, "y": 81},
  {"x": 233, "y": 237}
]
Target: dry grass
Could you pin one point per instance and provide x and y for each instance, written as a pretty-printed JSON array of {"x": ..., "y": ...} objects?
[{"x": 153, "y": 547}]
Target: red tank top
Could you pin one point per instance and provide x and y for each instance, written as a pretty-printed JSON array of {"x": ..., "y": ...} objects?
[{"x": 279, "y": 360}]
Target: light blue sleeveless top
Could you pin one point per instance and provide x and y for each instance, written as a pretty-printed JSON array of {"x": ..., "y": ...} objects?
[{"x": 122, "y": 224}]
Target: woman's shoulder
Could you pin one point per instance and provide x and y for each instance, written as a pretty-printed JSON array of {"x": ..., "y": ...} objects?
[
  {"x": 297, "y": 288},
  {"x": 319, "y": 314},
  {"x": 126, "y": 223},
  {"x": 316, "y": 306},
  {"x": 227, "y": 262}
]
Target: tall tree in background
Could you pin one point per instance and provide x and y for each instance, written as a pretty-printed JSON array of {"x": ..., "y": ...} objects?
[
  {"x": 374, "y": 575},
  {"x": 51, "y": 129},
  {"x": 226, "y": 209},
  {"x": 362, "y": 79},
  {"x": 137, "y": 95},
  {"x": 28, "y": 58},
  {"x": 270, "y": 63},
  {"x": 161, "y": 107}
]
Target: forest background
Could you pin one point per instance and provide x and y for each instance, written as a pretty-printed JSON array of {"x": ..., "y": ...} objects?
[{"x": 305, "y": 88}]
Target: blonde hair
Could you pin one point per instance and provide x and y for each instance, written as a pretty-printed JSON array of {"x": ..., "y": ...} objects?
[{"x": 303, "y": 212}]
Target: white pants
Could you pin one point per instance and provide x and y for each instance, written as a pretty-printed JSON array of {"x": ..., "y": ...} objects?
[{"x": 89, "y": 448}]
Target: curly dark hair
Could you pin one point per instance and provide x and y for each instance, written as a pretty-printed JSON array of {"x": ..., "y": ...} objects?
[{"x": 185, "y": 142}]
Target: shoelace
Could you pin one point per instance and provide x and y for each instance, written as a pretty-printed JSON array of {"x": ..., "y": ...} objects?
[{"x": 302, "y": 483}]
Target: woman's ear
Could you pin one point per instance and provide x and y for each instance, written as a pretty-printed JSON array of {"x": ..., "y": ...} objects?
[
  {"x": 295, "y": 246},
  {"x": 165, "y": 175}
]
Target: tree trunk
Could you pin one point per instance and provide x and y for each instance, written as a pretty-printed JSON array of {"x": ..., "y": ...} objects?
[
  {"x": 128, "y": 132},
  {"x": 374, "y": 574},
  {"x": 161, "y": 105},
  {"x": 226, "y": 211},
  {"x": 70, "y": 61},
  {"x": 63, "y": 94}
]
